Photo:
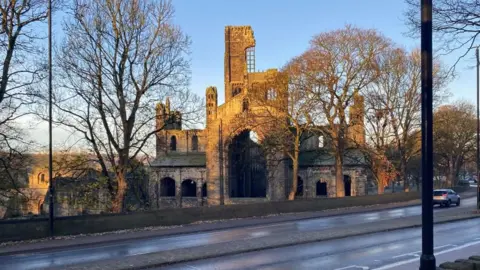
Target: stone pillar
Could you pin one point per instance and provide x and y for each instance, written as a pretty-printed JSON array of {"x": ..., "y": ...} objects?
[
  {"x": 199, "y": 192},
  {"x": 276, "y": 177},
  {"x": 213, "y": 162},
  {"x": 178, "y": 189}
]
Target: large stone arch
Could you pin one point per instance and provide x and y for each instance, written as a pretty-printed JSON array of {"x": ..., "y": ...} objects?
[
  {"x": 222, "y": 132},
  {"x": 246, "y": 165}
]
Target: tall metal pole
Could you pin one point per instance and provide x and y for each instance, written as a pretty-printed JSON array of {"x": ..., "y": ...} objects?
[
  {"x": 50, "y": 150},
  {"x": 427, "y": 260},
  {"x": 478, "y": 129}
]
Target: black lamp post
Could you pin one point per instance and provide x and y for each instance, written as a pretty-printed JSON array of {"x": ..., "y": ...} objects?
[
  {"x": 427, "y": 260},
  {"x": 478, "y": 129},
  {"x": 50, "y": 150}
]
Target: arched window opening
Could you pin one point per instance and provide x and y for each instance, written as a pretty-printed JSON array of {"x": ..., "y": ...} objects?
[
  {"x": 167, "y": 187},
  {"x": 236, "y": 91},
  {"x": 245, "y": 105},
  {"x": 189, "y": 188},
  {"x": 173, "y": 143},
  {"x": 42, "y": 178},
  {"x": 194, "y": 143},
  {"x": 321, "y": 188},
  {"x": 347, "y": 181},
  {"x": 204, "y": 190},
  {"x": 321, "y": 141}
]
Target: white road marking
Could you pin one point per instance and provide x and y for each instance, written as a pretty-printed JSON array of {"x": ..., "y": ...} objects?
[
  {"x": 416, "y": 254},
  {"x": 390, "y": 266},
  {"x": 354, "y": 267}
]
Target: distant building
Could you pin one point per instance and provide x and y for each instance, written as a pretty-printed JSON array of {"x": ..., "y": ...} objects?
[{"x": 224, "y": 163}]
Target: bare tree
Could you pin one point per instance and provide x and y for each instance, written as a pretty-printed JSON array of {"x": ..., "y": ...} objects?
[
  {"x": 287, "y": 109},
  {"x": 22, "y": 71},
  {"x": 454, "y": 138},
  {"x": 118, "y": 60},
  {"x": 337, "y": 66},
  {"x": 455, "y": 24},
  {"x": 394, "y": 106}
]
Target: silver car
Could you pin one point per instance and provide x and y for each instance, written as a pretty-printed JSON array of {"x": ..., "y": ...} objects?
[{"x": 445, "y": 197}]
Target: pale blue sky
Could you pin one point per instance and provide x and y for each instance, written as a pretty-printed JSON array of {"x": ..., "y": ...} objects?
[{"x": 282, "y": 29}]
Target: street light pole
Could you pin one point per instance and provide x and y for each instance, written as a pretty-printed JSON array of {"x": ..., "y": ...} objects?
[
  {"x": 51, "y": 189},
  {"x": 478, "y": 130},
  {"x": 427, "y": 260}
]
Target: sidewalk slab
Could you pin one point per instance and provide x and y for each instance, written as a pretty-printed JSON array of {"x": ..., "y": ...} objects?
[{"x": 248, "y": 245}]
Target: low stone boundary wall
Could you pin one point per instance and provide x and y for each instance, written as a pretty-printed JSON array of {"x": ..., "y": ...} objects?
[
  {"x": 12, "y": 230},
  {"x": 472, "y": 263}
]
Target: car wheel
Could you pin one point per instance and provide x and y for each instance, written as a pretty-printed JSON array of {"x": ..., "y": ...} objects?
[
  {"x": 449, "y": 203},
  {"x": 458, "y": 202}
]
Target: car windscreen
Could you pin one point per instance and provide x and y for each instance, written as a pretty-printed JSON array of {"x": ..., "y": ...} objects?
[{"x": 439, "y": 193}]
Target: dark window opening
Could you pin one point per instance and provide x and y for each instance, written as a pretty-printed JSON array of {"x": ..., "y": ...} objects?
[
  {"x": 347, "y": 181},
  {"x": 299, "y": 187},
  {"x": 237, "y": 91},
  {"x": 204, "y": 190},
  {"x": 173, "y": 143},
  {"x": 321, "y": 189},
  {"x": 189, "y": 188},
  {"x": 245, "y": 105},
  {"x": 195, "y": 143},
  {"x": 167, "y": 187}
]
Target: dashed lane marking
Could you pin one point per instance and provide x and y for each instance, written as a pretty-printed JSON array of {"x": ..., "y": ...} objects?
[{"x": 390, "y": 266}]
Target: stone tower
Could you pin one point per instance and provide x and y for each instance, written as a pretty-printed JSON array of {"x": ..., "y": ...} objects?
[
  {"x": 356, "y": 130},
  {"x": 239, "y": 59},
  {"x": 212, "y": 103}
]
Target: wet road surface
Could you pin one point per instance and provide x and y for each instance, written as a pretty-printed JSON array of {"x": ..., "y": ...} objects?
[
  {"x": 389, "y": 250},
  {"x": 72, "y": 255}
]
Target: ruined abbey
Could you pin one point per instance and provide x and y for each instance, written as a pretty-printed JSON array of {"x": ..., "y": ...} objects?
[{"x": 224, "y": 164}]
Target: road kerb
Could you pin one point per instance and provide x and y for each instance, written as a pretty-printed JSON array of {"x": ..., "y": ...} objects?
[{"x": 163, "y": 258}]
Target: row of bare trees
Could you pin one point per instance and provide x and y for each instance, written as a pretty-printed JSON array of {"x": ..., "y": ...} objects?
[
  {"x": 321, "y": 85},
  {"x": 116, "y": 61}
]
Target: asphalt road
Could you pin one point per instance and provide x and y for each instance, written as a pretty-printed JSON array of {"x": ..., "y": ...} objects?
[
  {"x": 72, "y": 255},
  {"x": 391, "y": 250}
]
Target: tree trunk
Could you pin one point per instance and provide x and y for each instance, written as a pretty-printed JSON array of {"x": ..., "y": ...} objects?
[
  {"x": 380, "y": 186},
  {"x": 293, "y": 190},
  {"x": 451, "y": 173},
  {"x": 340, "y": 185},
  {"x": 117, "y": 204},
  {"x": 403, "y": 174}
]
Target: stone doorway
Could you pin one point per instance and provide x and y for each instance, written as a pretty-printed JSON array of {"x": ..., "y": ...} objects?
[{"x": 347, "y": 183}]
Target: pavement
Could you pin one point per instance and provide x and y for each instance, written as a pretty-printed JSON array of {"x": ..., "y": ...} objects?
[
  {"x": 396, "y": 250},
  {"x": 161, "y": 250},
  {"x": 63, "y": 242}
]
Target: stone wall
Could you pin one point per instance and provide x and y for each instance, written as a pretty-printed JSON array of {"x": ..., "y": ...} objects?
[
  {"x": 472, "y": 263},
  {"x": 312, "y": 175},
  {"x": 179, "y": 175},
  {"x": 38, "y": 227}
]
